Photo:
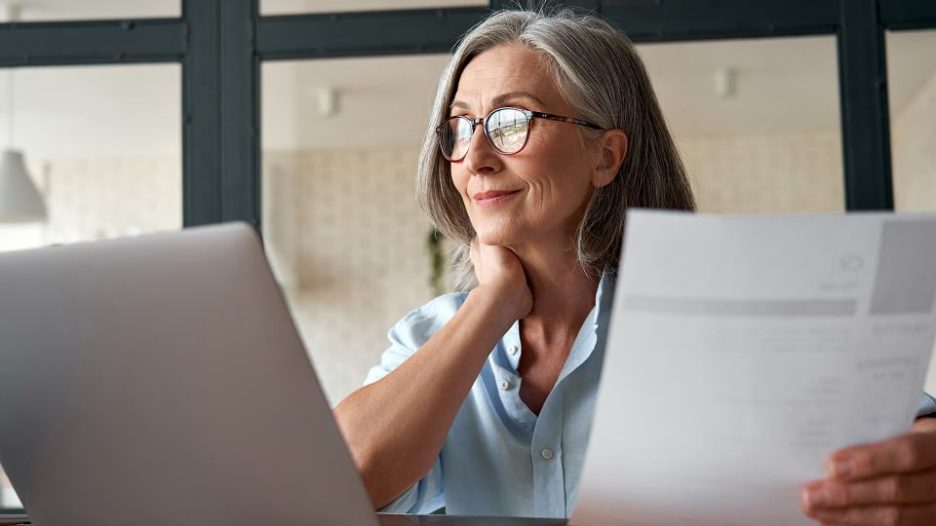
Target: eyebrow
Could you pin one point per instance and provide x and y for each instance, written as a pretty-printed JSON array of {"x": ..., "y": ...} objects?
[{"x": 500, "y": 99}]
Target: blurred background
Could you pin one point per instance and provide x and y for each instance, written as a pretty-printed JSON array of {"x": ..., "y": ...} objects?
[{"x": 757, "y": 122}]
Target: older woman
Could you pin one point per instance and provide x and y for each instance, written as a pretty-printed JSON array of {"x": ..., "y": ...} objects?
[{"x": 544, "y": 130}]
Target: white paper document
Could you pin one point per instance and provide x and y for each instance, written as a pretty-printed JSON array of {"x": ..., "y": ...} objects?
[{"x": 743, "y": 350}]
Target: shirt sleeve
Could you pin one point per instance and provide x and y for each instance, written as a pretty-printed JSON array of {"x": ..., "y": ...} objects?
[
  {"x": 927, "y": 406},
  {"x": 406, "y": 337}
]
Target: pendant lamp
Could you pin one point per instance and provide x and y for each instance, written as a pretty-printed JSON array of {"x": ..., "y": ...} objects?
[{"x": 20, "y": 200}]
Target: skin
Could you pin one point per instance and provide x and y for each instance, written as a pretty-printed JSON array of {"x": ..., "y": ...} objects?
[
  {"x": 889, "y": 483},
  {"x": 526, "y": 269}
]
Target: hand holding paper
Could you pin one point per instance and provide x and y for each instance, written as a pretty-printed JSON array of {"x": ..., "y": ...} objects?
[
  {"x": 746, "y": 350},
  {"x": 891, "y": 482}
]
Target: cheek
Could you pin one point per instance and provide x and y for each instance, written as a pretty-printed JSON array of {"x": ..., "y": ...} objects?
[
  {"x": 459, "y": 179},
  {"x": 559, "y": 176}
]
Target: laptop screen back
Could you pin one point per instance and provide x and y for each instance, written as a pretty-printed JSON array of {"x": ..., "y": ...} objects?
[{"x": 160, "y": 379}]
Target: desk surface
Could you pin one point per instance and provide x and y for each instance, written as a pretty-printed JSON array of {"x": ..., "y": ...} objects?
[
  {"x": 454, "y": 520},
  {"x": 403, "y": 520}
]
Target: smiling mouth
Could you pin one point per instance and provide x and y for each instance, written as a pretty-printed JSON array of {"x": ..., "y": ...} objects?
[{"x": 493, "y": 197}]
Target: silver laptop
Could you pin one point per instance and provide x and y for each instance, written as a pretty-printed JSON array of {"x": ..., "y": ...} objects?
[{"x": 160, "y": 380}]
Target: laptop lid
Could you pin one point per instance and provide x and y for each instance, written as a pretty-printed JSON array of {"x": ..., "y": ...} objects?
[{"x": 160, "y": 379}]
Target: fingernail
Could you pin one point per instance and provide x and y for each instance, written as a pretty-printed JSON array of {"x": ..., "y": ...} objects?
[
  {"x": 841, "y": 468},
  {"x": 815, "y": 497}
]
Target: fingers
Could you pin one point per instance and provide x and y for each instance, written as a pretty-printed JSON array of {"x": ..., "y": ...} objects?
[
  {"x": 915, "y": 451},
  {"x": 924, "y": 425},
  {"x": 917, "y": 488},
  {"x": 879, "y": 516},
  {"x": 890, "y": 482}
]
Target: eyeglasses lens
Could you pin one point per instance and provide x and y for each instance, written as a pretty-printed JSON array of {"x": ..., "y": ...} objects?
[
  {"x": 455, "y": 137},
  {"x": 507, "y": 129}
]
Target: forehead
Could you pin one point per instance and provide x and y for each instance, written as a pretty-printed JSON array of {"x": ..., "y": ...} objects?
[{"x": 505, "y": 69}]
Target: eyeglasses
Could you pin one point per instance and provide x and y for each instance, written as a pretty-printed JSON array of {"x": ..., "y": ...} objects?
[{"x": 506, "y": 130}]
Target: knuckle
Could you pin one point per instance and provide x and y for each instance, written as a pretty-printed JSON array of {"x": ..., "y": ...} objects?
[
  {"x": 853, "y": 516},
  {"x": 893, "y": 488},
  {"x": 907, "y": 454},
  {"x": 864, "y": 463},
  {"x": 891, "y": 516},
  {"x": 839, "y": 494}
]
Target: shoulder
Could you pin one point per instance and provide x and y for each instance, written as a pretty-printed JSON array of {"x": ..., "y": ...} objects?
[{"x": 413, "y": 330}]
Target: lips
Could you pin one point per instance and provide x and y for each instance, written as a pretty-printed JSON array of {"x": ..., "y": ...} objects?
[{"x": 492, "y": 195}]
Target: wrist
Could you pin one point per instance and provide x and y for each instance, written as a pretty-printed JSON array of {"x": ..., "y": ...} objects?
[{"x": 498, "y": 302}]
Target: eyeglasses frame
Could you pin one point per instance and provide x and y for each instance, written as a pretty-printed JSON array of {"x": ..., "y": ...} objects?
[{"x": 530, "y": 115}]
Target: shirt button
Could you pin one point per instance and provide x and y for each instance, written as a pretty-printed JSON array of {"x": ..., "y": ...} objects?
[
  {"x": 514, "y": 349},
  {"x": 505, "y": 385},
  {"x": 547, "y": 454}
]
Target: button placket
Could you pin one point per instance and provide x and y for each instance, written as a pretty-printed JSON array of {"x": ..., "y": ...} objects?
[{"x": 512, "y": 353}]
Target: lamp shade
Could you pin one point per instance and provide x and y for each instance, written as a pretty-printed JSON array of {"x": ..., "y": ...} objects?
[{"x": 20, "y": 200}]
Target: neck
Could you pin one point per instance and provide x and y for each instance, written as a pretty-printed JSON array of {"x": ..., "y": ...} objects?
[{"x": 563, "y": 292}]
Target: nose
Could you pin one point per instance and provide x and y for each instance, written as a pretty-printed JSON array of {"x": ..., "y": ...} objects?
[{"x": 481, "y": 159}]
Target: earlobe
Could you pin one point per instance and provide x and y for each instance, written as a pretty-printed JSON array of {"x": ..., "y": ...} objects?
[{"x": 614, "y": 145}]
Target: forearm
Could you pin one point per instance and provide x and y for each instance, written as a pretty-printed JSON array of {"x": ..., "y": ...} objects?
[{"x": 395, "y": 428}]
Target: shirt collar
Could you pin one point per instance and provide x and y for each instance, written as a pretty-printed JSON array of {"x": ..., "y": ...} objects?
[{"x": 584, "y": 344}]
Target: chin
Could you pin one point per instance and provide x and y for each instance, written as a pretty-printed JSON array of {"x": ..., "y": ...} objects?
[{"x": 499, "y": 236}]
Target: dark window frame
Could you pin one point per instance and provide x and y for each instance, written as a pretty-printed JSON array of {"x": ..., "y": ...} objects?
[{"x": 221, "y": 44}]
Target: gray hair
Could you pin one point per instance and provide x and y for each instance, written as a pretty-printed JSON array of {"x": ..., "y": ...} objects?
[{"x": 598, "y": 72}]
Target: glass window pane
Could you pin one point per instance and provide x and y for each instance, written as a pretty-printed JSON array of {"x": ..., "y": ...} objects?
[
  {"x": 102, "y": 151},
  {"x": 59, "y": 10},
  {"x": 756, "y": 125},
  {"x": 288, "y": 7},
  {"x": 912, "y": 89},
  {"x": 8, "y": 499},
  {"x": 911, "y": 67},
  {"x": 340, "y": 221}
]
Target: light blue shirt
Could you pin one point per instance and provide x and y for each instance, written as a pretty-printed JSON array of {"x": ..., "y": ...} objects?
[{"x": 499, "y": 458}]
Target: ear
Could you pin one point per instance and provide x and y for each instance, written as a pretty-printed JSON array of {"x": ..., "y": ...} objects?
[{"x": 612, "y": 150}]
